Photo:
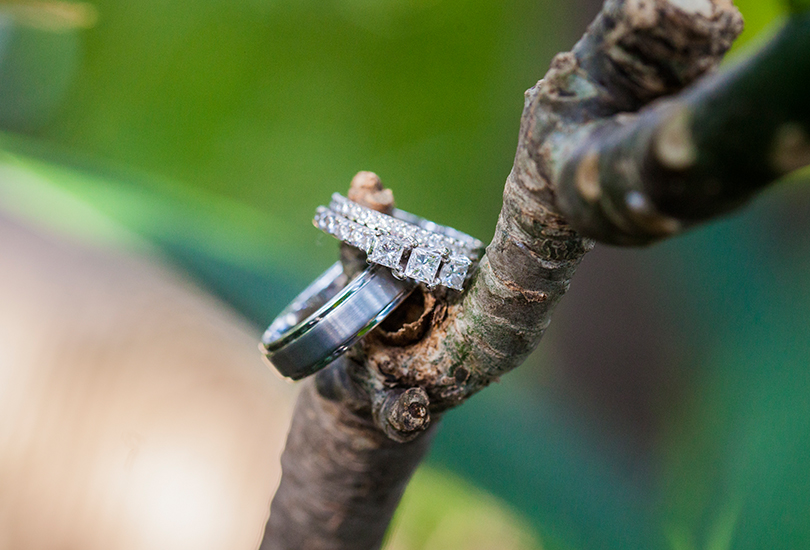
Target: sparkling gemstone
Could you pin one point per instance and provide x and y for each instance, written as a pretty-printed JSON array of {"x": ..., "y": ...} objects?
[
  {"x": 454, "y": 272},
  {"x": 406, "y": 230},
  {"x": 331, "y": 224},
  {"x": 386, "y": 251},
  {"x": 360, "y": 238},
  {"x": 435, "y": 241},
  {"x": 423, "y": 265},
  {"x": 422, "y": 237},
  {"x": 383, "y": 223},
  {"x": 322, "y": 221},
  {"x": 355, "y": 211},
  {"x": 344, "y": 230},
  {"x": 373, "y": 219}
]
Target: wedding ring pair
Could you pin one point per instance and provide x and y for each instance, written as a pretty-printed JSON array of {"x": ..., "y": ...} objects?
[{"x": 333, "y": 312}]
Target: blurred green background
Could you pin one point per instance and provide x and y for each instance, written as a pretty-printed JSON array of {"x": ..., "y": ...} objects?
[{"x": 668, "y": 407}]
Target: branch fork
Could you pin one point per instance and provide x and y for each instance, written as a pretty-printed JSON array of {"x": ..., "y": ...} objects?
[{"x": 630, "y": 138}]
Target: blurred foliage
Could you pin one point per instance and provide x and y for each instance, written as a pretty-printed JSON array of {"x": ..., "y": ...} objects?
[
  {"x": 38, "y": 60},
  {"x": 760, "y": 15},
  {"x": 213, "y": 129},
  {"x": 223, "y": 242},
  {"x": 798, "y": 5},
  {"x": 441, "y": 511},
  {"x": 276, "y": 104},
  {"x": 279, "y": 103}
]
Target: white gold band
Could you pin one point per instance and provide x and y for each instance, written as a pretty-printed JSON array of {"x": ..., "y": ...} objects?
[{"x": 410, "y": 246}]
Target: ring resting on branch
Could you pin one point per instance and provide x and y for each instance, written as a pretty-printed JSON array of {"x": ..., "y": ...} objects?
[{"x": 630, "y": 138}]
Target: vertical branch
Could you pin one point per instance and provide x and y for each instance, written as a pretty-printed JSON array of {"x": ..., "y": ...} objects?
[{"x": 342, "y": 478}]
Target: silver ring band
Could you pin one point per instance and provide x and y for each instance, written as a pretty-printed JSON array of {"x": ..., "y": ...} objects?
[
  {"x": 406, "y": 225},
  {"x": 410, "y": 246},
  {"x": 330, "y": 316}
]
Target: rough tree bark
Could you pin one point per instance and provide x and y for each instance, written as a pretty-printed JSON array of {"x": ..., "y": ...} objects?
[{"x": 601, "y": 156}]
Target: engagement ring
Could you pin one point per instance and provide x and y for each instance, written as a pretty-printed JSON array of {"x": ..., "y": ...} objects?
[
  {"x": 410, "y": 246},
  {"x": 333, "y": 313}
]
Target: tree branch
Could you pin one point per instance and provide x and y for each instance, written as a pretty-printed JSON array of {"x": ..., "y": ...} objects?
[
  {"x": 341, "y": 478},
  {"x": 583, "y": 163},
  {"x": 637, "y": 179},
  {"x": 634, "y": 52}
]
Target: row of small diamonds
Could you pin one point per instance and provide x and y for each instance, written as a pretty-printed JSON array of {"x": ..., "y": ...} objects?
[
  {"x": 346, "y": 230},
  {"x": 430, "y": 238},
  {"x": 424, "y": 264},
  {"x": 387, "y": 224}
]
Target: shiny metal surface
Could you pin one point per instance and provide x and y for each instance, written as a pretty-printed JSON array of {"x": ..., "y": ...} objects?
[{"x": 329, "y": 317}]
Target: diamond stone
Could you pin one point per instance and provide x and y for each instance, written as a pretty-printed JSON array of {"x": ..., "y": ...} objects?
[
  {"x": 331, "y": 224},
  {"x": 373, "y": 219},
  {"x": 355, "y": 211},
  {"x": 435, "y": 241},
  {"x": 360, "y": 238},
  {"x": 422, "y": 237},
  {"x": 405, "y": 230},
  {"x": 454, "y": 272},
  {"x": 344, "y": 230},
  {"x": 340, "y": 207},
  {"x": 322, "y": 221},
  {"x": 386, "y": 251},
  {"x": 423, "y": 265},
  {"x": 383, "y": 223}
]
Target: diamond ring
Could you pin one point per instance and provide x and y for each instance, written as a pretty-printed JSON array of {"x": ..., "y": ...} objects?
[
  {"x": 410, "y": 246},
  {"x": 330, "y": 316}
]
